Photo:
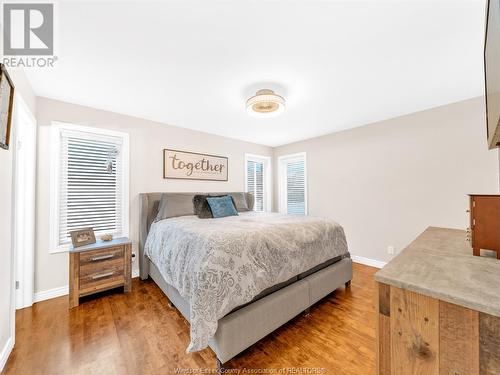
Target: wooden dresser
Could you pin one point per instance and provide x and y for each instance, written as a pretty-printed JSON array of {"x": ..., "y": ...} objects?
[
  {"x": 484, "y": 231},
  {"x": 98, "y": 267}
]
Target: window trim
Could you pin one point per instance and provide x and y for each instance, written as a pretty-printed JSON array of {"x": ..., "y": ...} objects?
[
  {"x": 282, "y": 185},
  {"x": 266, "y": 160},
  {"x": 55, "y": 169}
]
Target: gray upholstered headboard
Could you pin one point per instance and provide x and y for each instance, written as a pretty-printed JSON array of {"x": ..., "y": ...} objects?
[{"x": 148, "y": 209}]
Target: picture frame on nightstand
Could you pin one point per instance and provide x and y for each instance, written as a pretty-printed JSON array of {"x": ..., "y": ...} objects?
[{"x": 82, "y": 237}]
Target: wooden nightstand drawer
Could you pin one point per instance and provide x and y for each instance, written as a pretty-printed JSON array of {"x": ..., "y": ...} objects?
[
  {"x": 100, "y": 276},
  {"x": 88, "y": 268},
  {"x": 98, "y": 267},
  {"x": 96, "y": 264},
  {"x": 99, "y": 256},
  {"x": 101, "y": 281}
]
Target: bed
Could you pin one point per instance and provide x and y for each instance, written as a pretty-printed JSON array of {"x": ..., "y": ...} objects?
[{"x": 237, "y": 279}]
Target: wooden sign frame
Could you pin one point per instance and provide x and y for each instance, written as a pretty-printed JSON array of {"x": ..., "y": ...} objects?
[{"x": 186, "y": 165}]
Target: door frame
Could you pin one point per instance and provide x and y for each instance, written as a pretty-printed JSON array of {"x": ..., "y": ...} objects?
[{"x": 24, "y": 204}]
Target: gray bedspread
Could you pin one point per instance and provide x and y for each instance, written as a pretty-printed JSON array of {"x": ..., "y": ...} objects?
[{"x": 220, "y": 264}]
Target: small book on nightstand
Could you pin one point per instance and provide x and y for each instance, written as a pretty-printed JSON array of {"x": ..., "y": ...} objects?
[{"x": 100, "y": 266}]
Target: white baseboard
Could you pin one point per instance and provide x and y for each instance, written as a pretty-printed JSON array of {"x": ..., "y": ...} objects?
[
  {"x": 51, "y": 293},
  {"x": 368, "y": 261},
  {"x": 4, "y": 356},
  {"x": 62, "y": 291}
]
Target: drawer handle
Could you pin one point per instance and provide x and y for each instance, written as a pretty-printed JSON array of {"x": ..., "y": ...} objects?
[
  {"x": 102, "y": 275},
  {"x": 102, "y": 257}
]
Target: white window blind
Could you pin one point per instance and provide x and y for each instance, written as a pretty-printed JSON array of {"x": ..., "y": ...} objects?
[
  {"x": 91, "y": 185},
  {"x": 255, "y": 183},
  {"x": 293, "y": 184},
  {"x": 257, "y": 176}
]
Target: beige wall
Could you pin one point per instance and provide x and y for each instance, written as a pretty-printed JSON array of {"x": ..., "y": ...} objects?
[
  {"x": 23, "y": 89},
  {"x": 383, "y": 182},
  {"x": 388, "y": 181},
  {"x": 147, "y": 140}
]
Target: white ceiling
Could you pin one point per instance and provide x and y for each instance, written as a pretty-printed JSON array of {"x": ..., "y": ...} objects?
[{"x": 339, "y": 64}]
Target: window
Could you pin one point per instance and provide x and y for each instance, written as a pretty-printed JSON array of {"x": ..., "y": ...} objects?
[
  {"x": 89, "y": 182},
  {"x": 258, "y": 180},
  {"x": 293, "y": 184}
]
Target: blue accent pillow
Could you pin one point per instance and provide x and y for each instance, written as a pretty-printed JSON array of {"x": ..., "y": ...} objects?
[{"x": 222, "y": 206}]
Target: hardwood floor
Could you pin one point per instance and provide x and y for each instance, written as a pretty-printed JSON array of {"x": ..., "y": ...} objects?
[{"x": 138, "y": 333}]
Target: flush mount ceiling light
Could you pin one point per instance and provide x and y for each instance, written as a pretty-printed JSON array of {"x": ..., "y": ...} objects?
[{"x": 265, "y": 103}]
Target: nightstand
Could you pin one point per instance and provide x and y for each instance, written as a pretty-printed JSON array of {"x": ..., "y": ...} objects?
[{"x": 98, "y": 267}]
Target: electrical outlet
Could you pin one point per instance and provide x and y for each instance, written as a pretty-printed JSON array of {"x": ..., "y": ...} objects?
[
  {"x": 390, "y": 250},
  {"x": 135, "y": 251}
]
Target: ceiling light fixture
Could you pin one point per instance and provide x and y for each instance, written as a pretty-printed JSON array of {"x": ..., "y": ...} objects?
[{"x": 265, "y": 103}]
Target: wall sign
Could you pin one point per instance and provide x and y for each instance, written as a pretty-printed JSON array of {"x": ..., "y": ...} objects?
[{"x": 193, "y": 166}]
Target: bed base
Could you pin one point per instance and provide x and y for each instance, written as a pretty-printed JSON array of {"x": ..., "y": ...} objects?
[{"x": 244, "y": 327}]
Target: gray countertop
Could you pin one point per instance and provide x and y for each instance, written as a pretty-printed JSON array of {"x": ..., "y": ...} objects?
[{"x": 439, "y": 264}]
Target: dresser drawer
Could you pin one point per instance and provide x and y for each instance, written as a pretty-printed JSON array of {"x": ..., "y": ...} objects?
[
  {"x": 102, "y": 284},
  {"x": 101, "y": 256},
  {"x": 101, "y": 266},
  {"x": 102, "y": 279}
]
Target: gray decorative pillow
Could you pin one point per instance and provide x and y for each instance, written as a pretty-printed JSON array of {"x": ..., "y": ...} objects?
[
  {"x": 201, "y": 206},
  {"x": 174, "y": 205},
  {"x": 240, "y": 201}
]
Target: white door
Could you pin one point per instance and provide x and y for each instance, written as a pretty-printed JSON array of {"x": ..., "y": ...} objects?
[{"x": 24, "y": 202}]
